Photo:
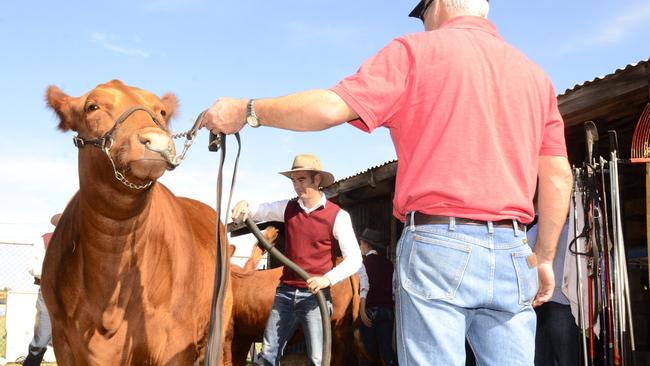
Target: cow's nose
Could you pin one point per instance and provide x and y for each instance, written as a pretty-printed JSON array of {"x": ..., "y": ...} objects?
[{"x": 155, "y": 141}]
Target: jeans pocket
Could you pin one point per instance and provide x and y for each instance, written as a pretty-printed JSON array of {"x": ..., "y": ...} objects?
[
  {"x": 435, "y": 267},
  {"x": 526, "y": 276}
]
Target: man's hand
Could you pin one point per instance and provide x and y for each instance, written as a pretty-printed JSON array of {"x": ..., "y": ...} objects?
[
  {"x": 317, "y": 283},
  {"x": 227, "y": 115},
  {"x": 546, "y": 283},
  {"x": 240, "y": 211}
]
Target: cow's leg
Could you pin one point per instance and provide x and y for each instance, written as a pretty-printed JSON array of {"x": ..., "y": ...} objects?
[
  {"x": 228, "y": 344},
  {"x": 62, "y": 350}
]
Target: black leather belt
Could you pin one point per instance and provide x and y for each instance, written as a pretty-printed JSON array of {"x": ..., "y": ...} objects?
[{"x": 424, "y": 219}]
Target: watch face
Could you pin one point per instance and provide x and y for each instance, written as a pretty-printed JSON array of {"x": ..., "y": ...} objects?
[{"x": 252, "y": 121}]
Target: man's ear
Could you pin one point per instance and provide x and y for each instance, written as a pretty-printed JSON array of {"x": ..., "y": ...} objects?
[
  {"x": 318, "y": 179},
  {"x": 170, "y": 102},
  {"x": 64, "y": 106}
]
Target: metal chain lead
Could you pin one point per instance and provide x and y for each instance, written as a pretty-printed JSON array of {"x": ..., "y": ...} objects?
[
  {"x": 119, "y": 176},
  {"x": 189, "y": 139}
]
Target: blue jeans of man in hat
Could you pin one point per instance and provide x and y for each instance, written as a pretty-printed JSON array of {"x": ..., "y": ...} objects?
[
  {"x": 293, "y": 307},
  {"x": 458, "y": 282}
]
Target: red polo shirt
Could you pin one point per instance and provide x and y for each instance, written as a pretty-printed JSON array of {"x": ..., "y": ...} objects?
[{"x": 469, "y": 116}]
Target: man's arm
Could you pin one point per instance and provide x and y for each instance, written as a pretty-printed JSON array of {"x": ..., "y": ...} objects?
[
  {"x": 554, "y": 190},
  {"x": 311, "y": 110},
  {"x": 364, "y": 287}
]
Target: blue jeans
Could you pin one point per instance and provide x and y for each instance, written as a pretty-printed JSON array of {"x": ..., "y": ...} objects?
[
  {"x": 378, "y": 339},
  {"x": 291, "y": 307},
  {"x": 558, "y": 336},
  {"x": 464, "y": 281},
  {"x": 42, "y": 334}
]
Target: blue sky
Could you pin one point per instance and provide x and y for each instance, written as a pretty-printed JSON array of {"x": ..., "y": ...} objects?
[{"x": 200, "y": 50}]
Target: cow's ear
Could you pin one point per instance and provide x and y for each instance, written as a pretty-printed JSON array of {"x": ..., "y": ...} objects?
[
  {"x": 170, "y": 102},
  {"x": 64, "y": 106}
]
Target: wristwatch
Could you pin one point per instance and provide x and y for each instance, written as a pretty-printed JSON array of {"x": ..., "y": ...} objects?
[{"x": 251, "y": 117}]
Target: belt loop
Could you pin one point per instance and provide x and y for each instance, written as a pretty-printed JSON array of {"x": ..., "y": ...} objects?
[
  {"x": 452, "y": 223},
  {"x": 515, "y": 226},
  {"x": 490, "y": 227},
  {"x": 412, "y": 220}
]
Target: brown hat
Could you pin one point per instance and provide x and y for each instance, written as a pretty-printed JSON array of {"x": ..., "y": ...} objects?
[
  {"x": 372, "y": 237},
  {"x": 55, "y": 219},
  {"x": 309, "y": 162}
]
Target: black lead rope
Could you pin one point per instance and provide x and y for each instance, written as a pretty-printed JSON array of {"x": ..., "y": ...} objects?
[
  {"x": 213, "y": 351},
  {"x": 322, "y": 305}
]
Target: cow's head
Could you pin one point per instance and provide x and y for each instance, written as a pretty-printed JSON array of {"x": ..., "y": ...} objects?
[{"x": 137, "y": 142}]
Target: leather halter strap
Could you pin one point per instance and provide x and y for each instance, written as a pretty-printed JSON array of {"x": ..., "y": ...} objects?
[{"x": 105, "y": 142}]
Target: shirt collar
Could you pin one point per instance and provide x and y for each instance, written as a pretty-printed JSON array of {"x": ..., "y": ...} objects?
[
  {"x": 322, "y": 202},
  {"x": 471, "y": 22},
  {"x": 371, "y": 251}
]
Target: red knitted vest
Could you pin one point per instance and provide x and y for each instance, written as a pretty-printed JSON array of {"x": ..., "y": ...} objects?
[{"x": 309, "y": 241}]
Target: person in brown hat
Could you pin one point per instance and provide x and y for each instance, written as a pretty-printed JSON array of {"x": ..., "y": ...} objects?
[
  {"x": 315, "y": 229},
  {"x": 376, "y": 308}
]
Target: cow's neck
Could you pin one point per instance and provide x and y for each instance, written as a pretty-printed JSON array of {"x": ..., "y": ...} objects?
[{"x": 113, "y": 232}]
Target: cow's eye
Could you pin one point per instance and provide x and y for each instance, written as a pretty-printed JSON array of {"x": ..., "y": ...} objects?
[
  {"x": 163, "y": 113},
  {"x": 92, "y": 107}
]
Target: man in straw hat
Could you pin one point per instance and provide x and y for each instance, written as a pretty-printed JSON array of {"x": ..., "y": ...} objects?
[
  {"x": 376, "y": 310},
  {"x": 475, "y": 123},
  {"x": 315, "y": 231}
]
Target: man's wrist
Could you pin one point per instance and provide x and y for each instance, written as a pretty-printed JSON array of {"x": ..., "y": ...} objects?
[{"x": 251, "y": 116}]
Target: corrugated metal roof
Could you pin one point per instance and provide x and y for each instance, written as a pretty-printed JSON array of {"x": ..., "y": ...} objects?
[
  {"x": 366, "y": 171},
  {"x": 608, "y": 76}
]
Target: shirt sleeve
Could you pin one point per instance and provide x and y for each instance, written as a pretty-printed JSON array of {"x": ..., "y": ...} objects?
[
  {"x": 376, "y": 92},
  {"x": 553, "y": 143},
  {"x": 364, "y": 284},
  {"x": 272, "y": 211},
  {"x": 38, "y": 255},
  {"x": 344, "y": 233}
]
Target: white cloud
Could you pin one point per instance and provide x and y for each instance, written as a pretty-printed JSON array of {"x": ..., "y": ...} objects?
[
  {"x": 614, "y": 30},
  {"x": 31, "y": 192},
  {"x": 623, "y": 24},
  {"x": 109, "y": 42}
]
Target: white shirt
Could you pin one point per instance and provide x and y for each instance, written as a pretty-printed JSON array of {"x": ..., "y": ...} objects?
[
  {"x": 342, "y": 231},
  {"x": 38, "y": 255}
]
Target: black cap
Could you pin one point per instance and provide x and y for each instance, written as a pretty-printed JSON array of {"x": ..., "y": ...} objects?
[
  {"x": 417, "y": 11},
  {"x": 372, "y": 237}
]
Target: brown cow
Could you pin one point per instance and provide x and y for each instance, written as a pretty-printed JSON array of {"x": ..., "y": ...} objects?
[
  {"x": 128, "y": 274},
  {"x": 253, "y": 295}
]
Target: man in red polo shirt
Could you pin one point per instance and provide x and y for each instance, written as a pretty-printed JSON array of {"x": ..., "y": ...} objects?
[
  {"x": 316, "y": 232},
  {"x": 475, "y": 125}
]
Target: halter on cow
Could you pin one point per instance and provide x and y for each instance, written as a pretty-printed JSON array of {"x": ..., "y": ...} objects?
[{"x": 105, "y": 143}]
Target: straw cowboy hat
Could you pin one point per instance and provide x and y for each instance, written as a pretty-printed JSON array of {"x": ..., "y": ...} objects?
[
  {"x": 372, "y": 237},
  {"x": 309, "y": 162}
]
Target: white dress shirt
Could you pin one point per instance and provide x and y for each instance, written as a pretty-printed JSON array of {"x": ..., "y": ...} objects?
[{"x": 342, "y": 231}]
